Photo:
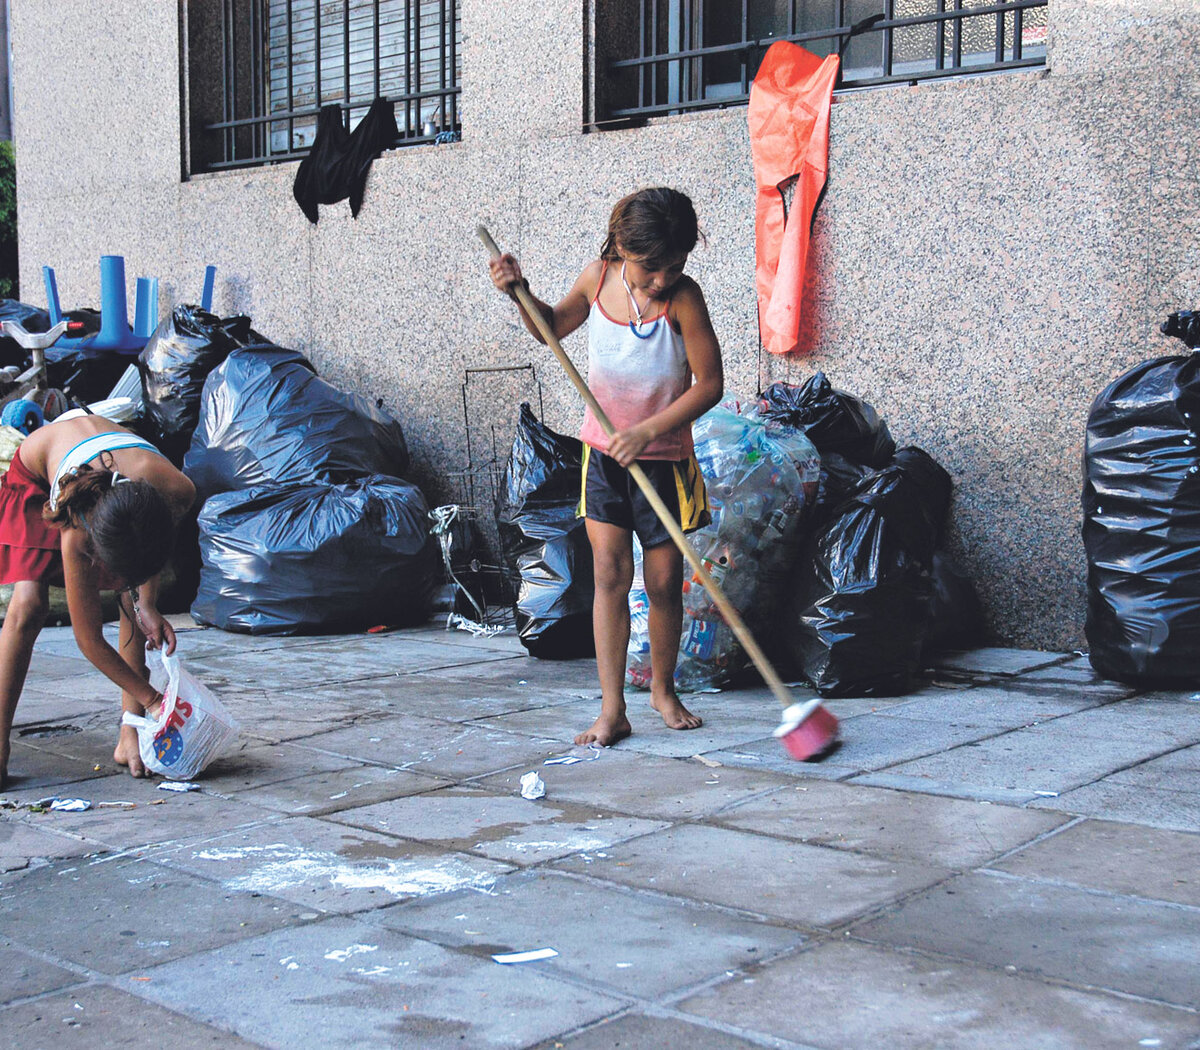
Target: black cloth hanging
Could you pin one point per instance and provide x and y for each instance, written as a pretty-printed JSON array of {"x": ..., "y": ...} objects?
[{"x": 338, "y": 163}]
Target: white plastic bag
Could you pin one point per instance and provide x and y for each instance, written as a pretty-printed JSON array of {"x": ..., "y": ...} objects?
[{"x": 192, "y": 728}]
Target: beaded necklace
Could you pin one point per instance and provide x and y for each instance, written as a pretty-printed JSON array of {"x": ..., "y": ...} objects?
[{"x": 636, "y": 309}]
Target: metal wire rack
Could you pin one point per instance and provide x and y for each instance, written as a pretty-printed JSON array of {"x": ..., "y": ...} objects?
[{"x": 491, "y": 400}]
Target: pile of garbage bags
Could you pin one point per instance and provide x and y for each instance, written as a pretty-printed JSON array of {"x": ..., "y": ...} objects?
[
  {"x": 307, "y": 524},
  {"x": 542, "y": 542},
  {"x": 824, "y": 537},
  {"x": 1141, "y": 519}
]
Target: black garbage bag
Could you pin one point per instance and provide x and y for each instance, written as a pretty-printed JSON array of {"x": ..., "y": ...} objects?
[
  {"x": 957, "y": 620},
  {"x": 848, "y": 433},
  {"x": 174, "y": 364},
  {"x": 544, "y": 543},
  {"x": 267, "y": 419},
  {"x": 31, "y": 318},
  {"x": 861, "y": 605},
  {"x": 316, "y": 558},
  {"x": 1141, "y": 520}
]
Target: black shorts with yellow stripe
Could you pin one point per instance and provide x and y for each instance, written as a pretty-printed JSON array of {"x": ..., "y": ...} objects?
[{"x": 611, "y": 495}]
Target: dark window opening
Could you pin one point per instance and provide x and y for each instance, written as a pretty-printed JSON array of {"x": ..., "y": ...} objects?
[
  {"x": 259, "y": 71},
  {"x": 657, "y": 57}
]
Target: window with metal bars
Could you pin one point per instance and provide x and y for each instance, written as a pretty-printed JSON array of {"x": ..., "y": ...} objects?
[
  {"x": 657, "y": 57},
  {"x": 259, "y": 71}
]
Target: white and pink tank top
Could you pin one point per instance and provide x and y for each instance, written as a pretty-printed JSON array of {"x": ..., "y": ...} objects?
[{"x": 635, "y": 378}]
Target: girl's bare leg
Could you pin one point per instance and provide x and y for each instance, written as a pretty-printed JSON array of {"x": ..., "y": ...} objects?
[
  {"x": 662, "y": 567},
  {"x": 131, "y": 644},
  {"x": 612, "y": 555},
  {"x": 22, "y": 624}
]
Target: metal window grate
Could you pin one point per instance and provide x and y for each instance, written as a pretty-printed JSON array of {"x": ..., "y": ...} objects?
[
  {"x": 703, "y": 54},
  {"x": 282, "y": 60}
]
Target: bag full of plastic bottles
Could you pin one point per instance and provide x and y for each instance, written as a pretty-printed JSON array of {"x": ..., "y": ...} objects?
[{"x": 762, "y": 477}]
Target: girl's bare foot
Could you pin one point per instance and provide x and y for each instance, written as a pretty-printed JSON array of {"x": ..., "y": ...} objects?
[
  {"x": 127, "y": 753},
  {"x": 674, "y": 714},
  {"x": 606, "y": 731}
]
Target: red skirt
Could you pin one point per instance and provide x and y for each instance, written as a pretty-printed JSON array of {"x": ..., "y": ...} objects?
[{"x": 31, "y": 549}]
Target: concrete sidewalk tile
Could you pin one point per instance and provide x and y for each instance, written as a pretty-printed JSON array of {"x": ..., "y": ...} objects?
[
  {"x": 429, "y": 695},
  {"x": 38, "y": 706},
  {"x": 1008, "y": 708},
  {"x": 899, "y": 824},
  {"x": 870, "y": 742},
  {"x": 1120, "y": 943},
  {"x": 327, "y": 866},
  {"x": 1050, "y": 757},
  {"x": 927, "y": 785},
  {"x": 633, "y": 1031},
  {"x": 623, "y": 781},
  {"x": 1107, "y": 800},
  {"x": 23, "y": 843},
  {"x": 36, "y": 770},
  {"x": 250, "y": 764},
  {"x": 116, "y": 915},
  {"x": 845, "y": 994},
  {"x": 26, "y": 975},
  {"x": 1116, "y": 858},
  {"x": 1177, "y": 771},
  {"x": 1165, "y": 723},
  {"x": 996, "y": 661},
  {"x": 98, "y": 1017},
  {"x": 807, "y": 885},
  {"x": 157, "y": 817},
  {"x": 525, "y": 672},
  {"x": 279, "y": 717},
  {"x": 351, "y": 986},
  {"x": 505, "y": 828},
  {"x": 340, "y": 789},
  {"x": 429, "y": 745},
  {"x": 1077, "y": 677},
  {"x": 632, "y": 943}
]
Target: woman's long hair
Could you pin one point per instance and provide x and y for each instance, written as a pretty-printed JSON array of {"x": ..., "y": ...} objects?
[
  {"x": 128, "y": 523},
  {"x": 655, "y": 226}
]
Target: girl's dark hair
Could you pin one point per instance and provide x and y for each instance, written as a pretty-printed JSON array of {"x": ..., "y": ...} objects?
[
  {"x": 128, "y": 525},
  {"x": 654, "y": 226}
]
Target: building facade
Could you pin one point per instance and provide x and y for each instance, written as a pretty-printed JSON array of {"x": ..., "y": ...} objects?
[{"x": 991, "y": 251}]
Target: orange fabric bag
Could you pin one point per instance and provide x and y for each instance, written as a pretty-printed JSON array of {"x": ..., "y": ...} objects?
[{"x": 789, "y": 138}]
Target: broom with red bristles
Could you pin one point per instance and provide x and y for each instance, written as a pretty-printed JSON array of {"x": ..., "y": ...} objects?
[{"x": 808, "y": 729}]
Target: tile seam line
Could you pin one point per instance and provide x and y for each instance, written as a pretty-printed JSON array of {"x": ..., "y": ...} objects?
[
  {"x": 1035, "y": 975},
  {"x": 1092, "y": 891}
]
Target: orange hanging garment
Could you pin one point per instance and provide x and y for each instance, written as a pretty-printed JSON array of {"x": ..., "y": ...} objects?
[{"x": 789, "y": 138}]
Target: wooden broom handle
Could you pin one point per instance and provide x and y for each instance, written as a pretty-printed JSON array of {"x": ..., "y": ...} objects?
[{"x": 730, "y": 614}]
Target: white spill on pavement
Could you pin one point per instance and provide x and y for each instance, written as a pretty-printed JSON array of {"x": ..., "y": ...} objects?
[{"x": 282, "y": 866}]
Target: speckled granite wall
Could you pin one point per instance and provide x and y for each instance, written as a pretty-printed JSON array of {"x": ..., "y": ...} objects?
[{"x": 990, "y": 252}]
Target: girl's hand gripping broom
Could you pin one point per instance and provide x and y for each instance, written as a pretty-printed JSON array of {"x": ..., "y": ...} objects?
[{"x": 808, "y": 730}]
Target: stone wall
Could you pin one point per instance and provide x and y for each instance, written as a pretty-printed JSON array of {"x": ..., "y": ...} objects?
[{"x": 990, "y": 252}]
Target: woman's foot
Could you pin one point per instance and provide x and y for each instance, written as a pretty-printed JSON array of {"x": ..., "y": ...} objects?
[
  {"x": 674, "y": 714},
  {"x": 606, "y": 731},
  {"x": 127, "y": 753}
]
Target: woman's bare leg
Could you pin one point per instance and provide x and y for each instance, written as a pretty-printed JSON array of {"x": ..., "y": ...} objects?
[
  {"x": 131, "y": 644},
  {"x": 662, "y": 567},
  {"x": 612, "y": 555},
  {"x": 22, "y": 623}
]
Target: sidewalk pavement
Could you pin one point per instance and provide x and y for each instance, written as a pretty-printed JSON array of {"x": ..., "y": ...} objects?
[{"x": 1007, "y": 858}]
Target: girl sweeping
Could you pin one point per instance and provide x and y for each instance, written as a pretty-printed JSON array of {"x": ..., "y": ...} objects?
[
  {"x": 654, "y": 366},
  {"x": 87, "y": 505}
]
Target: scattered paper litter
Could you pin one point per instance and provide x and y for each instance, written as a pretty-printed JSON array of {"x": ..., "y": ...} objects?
[
  {"x": 532, "y": 786},
  {"x": 524, "y": 957},
  {"x": 565, "y": 760},
  {"x": 116, "y": 805},
  {"x": 704, "y": 760},
  {"x": 480, "y": 630},
  {"x": 70, "y": 805},
  {"x": 1047, "y": 794},
  {"x": 178, "y": 785}
]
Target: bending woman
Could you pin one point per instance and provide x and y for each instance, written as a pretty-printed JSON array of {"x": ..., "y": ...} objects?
[{"x": 90, "y": 506}]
